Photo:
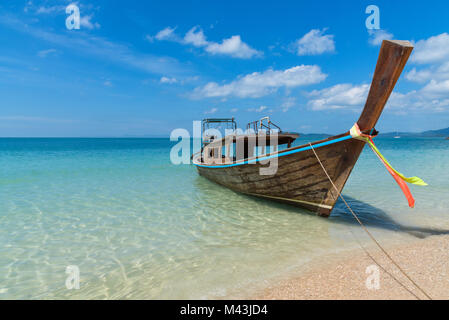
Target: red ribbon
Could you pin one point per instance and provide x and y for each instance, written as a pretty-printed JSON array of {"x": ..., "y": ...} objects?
[{"x": 400, "y": 182}]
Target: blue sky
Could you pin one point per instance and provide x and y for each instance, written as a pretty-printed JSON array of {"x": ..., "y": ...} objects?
[{"x": 145, "y": 68}]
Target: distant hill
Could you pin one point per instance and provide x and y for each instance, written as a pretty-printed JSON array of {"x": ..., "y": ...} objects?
[
  {"x": 430, "y": 133},
  {"x": 436, "y": 133}
]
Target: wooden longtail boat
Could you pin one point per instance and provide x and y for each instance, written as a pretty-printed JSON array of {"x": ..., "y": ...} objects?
[{"x": 299, "y": 179}]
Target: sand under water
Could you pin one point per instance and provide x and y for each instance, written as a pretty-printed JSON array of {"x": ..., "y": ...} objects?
[{"x": 139, "y": 227}]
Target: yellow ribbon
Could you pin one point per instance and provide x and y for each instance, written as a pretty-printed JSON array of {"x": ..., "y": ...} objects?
[{"x": 357, "y": 134}]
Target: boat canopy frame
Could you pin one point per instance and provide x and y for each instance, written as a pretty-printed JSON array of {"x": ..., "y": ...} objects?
[
  {"x": 263, "y": 124},
  {"x": 228, "y": 121}
]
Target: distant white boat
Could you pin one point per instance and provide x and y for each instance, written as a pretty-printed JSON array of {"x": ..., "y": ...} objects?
[{"x": 397, "y": 136}]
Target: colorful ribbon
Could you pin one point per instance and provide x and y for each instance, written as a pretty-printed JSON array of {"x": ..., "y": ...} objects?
[{"x": 398, "y": 177}]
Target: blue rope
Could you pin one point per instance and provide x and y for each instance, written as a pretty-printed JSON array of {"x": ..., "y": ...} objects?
[{"x": 277, "y": 155}]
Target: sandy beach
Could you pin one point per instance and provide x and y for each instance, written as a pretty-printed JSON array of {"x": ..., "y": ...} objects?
[{"x": 344, "y": 276}]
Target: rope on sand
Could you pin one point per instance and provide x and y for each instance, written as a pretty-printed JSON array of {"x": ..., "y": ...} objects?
[{"x": 373, "y": 239}]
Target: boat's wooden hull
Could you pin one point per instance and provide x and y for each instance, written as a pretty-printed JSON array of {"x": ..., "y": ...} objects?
[{"x": 299, "y": 179}]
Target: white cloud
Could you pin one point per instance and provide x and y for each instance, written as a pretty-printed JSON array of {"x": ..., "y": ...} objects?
[
  {"x": 434, "y": 97},
  {"x": 377, "y": 36},
  {"x": 166, "y": 34},
  {"x": 196, "y": 37},
  {"x": 211, "y": 111},
  {"x": 435, "y": 72},
  {"x": 233, "y": 46},
  {"x": 45, "y": 53},
  {"x": 168, "y": 80},
  {"x": 258, "y": 84},
  {"x": 314, "y": 42},
  {"x": 234, "y": 110},
  {"x": 436, "y": 89},
  {"x": 107, "y": 83},
  {"x": 47, "y": 10},
  {"x": 260, "y": 109},
  {"x": 340, "y": 96},
  {"x": 434, "y": 52},
  {"x": 419, "y": 75},
  {"x": 434, "y": 49},
  {"x": 85, "y": 21},
  {"x": 288, "y": 103},
  {"x": 429, "y": 99}
]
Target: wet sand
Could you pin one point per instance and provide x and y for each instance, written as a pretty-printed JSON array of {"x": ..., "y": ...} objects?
[{"x": 344, "y": 275}]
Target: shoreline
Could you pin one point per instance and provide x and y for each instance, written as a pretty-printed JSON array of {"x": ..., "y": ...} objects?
[{"x": 344, "y": 275}]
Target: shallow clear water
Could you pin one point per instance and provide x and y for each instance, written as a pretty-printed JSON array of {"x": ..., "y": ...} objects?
[{"x": 139, "y": 227}]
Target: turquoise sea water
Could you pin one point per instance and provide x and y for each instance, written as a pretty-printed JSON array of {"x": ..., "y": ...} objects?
[{"x": 139, "y": 227}]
